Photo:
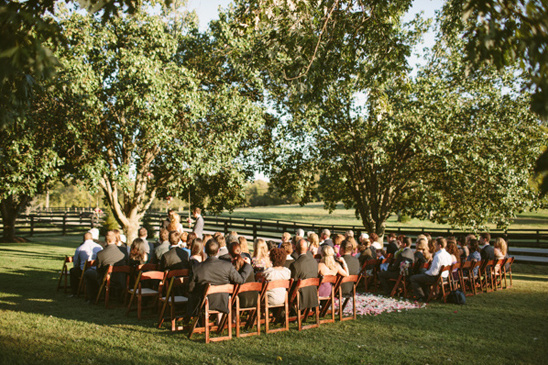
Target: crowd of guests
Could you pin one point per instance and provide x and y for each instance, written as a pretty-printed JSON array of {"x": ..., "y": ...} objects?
[{"x": 221, "y": 259}]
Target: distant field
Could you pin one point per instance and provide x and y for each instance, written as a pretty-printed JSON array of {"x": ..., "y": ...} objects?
[{"x": 314, "y": 213}]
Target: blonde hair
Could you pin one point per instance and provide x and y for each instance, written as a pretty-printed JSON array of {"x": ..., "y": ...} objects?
[
  {"x": 174, "y": 220},
  {"x": 314, "y": 240},
  {"x": 500, "y": 243},
  {"x": 328, "y": 257},
  {"x": 422, "y": 243},
  {"x": 260, "y": 249}
]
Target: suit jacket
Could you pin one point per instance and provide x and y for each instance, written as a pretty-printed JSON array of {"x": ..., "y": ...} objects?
[
  {"x": 353, "y": 269},
  {"x": 392, "y": 247},
  {"x": 111, "y": 255},
  {"x": 176, "y": 258},
  {"x": 305, "y": 267},
  {"x": 159, "y": 252},
  {"x": 328, "y": 242},
  {"x": 199, "y": 227},
  {"x": 216, "y": 272},
  {"x": 488, "y": 252}
]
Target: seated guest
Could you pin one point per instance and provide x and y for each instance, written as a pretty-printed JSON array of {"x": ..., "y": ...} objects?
[
  {"x": 85, "y": 252},
  {"x": 393, "y": 244},
  {"x": 463, "y": 247},
  {"x": 206, "y": 237},
  {"x": 143, "y": 234},
  {"x": 422, "y": 255},
  {"x": 328, "y": 266},
  {"x": 278, "y": 271},
  {"x": 184, "y": 240},
  {"x": 286, "y": 237},
  {"x": 375, "y": 242},
  {"x": 293, "y": 242},
  {"x": 403, "y": 255},
  {"x": 137, "y": 253},
  {"x": 337, "y": 240},
  {"x": 244, "y": 247},
  {"x": 223, "y": 250},
  {"x": 110, "y": 255},
  {"x": 238, "y": 261},
  {"x": 231, "y": 237},
  {"x": 313, "y": 244},
  {"x": 288, "y": 248},
  {"x": 325, "y": 238},
  {"x": 305, "y": 267},
  {"x": 453, "y": 250},
  {"x": 197, "y": 252},
  {"x": 488, "y": 251},
  {"x": 271, "y": 245},
  {"x": 441, "y": 258},
  {"x": 500, "y": 251},
  {"x": 216, "y": 272},
  {"x": 163, "y": 247},
  {"x": 260, "y": 260},
  {"x": 352, "y": 263},
  {"x": 473, "y": 248},
  {"x": 176, "y": 258}
]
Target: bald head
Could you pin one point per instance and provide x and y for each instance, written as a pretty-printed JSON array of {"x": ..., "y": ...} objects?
[
  {"x": 302, "y": 246},
  {"x": 88, "y": 236}
]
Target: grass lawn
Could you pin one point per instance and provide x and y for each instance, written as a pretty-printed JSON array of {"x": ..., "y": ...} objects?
[
  {"x": 41, "y": 326},
  {"x": 314, "y": 213}
]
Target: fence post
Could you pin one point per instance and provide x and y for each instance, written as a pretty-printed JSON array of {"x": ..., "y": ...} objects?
[
  {"x": 226, "y": 228},
  {"x": 65, "y": 224},
  {"x": 91, "y": 221},
  {"x": 254, "y": 231},
  {"x": 31, "y": 225},
  {"x": 538, "y": 237}
]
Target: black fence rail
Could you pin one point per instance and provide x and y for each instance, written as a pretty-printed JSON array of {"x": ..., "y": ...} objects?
[{"x": 527, "y": 245}]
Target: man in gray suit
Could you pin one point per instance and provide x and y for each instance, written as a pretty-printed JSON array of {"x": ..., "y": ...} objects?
[
  {"x": 199, "y": 225},
  {"x": 305, "y": 267}
]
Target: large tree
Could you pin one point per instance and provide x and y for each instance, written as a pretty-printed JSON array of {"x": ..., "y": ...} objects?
[
  {"x": 446, "y": 143},
  {"x": 143, "y": 118}
]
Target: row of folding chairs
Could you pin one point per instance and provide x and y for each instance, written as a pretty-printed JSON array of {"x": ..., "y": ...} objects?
[
  {"x": 471, "y": 277},
  {"x": 274, "y": 318}
]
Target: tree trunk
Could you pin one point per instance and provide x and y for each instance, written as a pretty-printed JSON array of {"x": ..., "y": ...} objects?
[
  {"x": 131, "y": 229},
  {"x": 10, "y": 208}
]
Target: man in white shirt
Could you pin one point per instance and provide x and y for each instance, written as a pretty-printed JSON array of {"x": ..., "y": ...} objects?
[
  {"x": 441, "y": 258},
  {"x": 85, "y": 252}
]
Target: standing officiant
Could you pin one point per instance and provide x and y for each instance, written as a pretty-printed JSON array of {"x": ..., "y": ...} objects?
[{"x": 198, "y": 223}]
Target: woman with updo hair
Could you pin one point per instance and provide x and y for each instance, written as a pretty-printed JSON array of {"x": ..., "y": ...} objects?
[{"x": 277, "y": 272}]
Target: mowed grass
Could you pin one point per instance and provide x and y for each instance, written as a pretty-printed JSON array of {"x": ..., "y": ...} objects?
[
  {"x": 314, "y": 213},
  {"x": 39, "y": 325}
]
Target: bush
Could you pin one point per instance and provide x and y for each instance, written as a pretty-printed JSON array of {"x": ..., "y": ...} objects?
[
  {"x": 109, "y": 224},
  {"x": 404, "y": 218}
]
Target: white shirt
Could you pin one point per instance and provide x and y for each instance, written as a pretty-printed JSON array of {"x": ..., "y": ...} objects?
[
  {"x": 441, "y": 258},
  {"x": 86, "y": 251},
  {"x": 377, "y": 245}
]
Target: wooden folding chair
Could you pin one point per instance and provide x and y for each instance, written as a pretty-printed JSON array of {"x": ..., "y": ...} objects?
[
  {"x": 82, "y": 283},
  {"x": 341, "y": 296},
  {"x": 136, "y": 269},
  {"x": 454, "y": 282},
  {"x": 496, "y": 273},
  {"x": 486, "y": 273},
  {"x": 329, "y": 301},
  {"x": 140, "y": 291},
  {"x": 466, "y": 279},
  {"x": 371, "y": 279},
  {"x": 438, "y": 288},
  {"x": 64, "y": 274},
  {"x": 174, "y": 279},
  {"x": 507, "y": 271},
  {"x": 312, "y": 282},
  {"x": 286, "y": 284},
  {"x": 106, "y": 282},
  {"x": 204, "y": 313},
  {"x": 254, "y": 313}
]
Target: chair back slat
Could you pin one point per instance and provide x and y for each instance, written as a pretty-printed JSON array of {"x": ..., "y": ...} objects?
[
  {"x": 151, "y": 275},
  {"x": 147, "y": 267},
  {"x": 308, "y": 282},
  {"x": 286, "y": 284},
  {"x": 350, "y": 279},
  {"x": 177, "y": 273},
  {"x": 329, "y": 279},
  {"x": 249, "y": 287},
  {"x": 215, "y": 289}
]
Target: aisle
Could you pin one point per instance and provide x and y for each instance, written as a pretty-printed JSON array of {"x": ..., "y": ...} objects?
[{"x": 371, "y": 305}]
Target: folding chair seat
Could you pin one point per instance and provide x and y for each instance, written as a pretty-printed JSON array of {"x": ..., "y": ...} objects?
[
  {"x": 64, "y": 274},
  {"x": 253, "y": 313},
  {"x": 486, "y": 275},
  {"x": 344, "y": 298},
  {"x": 301, "y": 284},
  {"x": 466, "y": 279},
  {"x": 204, "y": 314},
  {"x": 141, "y": 290},
  {"x": 284, "y": 307},
  {"x": 328, "y": 302},
  {"x": 497, "y": 273},
  {"x": 507, "y": 271},
  {"x": 440, "y": 286},
  {"x": 82, "y": 283},
  {"x": 135, "y": 269},
  {"x": 171, "y": 295},
  {"x": 107, "y": 281},
  {"x": 369, "y": 272}
]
